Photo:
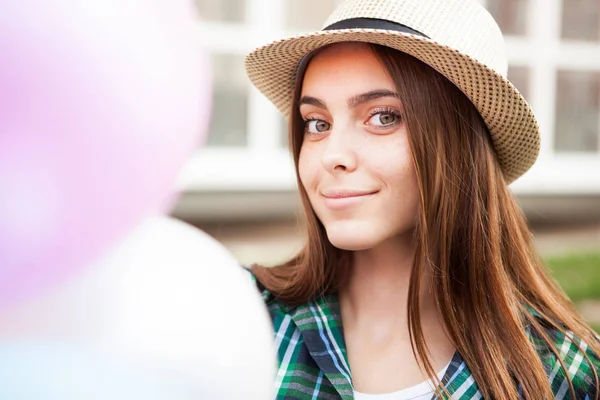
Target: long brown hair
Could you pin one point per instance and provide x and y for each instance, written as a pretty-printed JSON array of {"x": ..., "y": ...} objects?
[{"x": 472, "y": 238}]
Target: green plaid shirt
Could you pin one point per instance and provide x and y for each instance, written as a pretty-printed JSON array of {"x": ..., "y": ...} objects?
[{"x": 313, "y": 363}]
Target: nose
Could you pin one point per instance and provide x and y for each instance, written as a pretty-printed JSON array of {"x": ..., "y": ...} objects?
[{"x": 339, "y": 155}]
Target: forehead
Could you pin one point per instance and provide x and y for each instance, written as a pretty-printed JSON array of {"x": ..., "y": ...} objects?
[{"x": 351, "y": 67}]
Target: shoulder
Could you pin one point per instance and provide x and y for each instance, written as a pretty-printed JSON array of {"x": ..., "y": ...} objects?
[{"x": 572, "y": 357}]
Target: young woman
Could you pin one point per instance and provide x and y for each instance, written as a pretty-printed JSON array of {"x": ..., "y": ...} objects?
[{"x": 419, "y": 278}]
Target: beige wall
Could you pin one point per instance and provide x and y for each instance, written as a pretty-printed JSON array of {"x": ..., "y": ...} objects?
[
  {"x": 274, "y": 241},
  {"x": 265, "y": 243}
]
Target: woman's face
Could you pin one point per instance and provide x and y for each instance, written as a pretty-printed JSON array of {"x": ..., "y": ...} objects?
[{"x": 355, "y": 162}]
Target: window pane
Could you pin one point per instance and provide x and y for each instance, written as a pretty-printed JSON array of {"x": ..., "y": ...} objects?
[
  {"x": 308, "y": 15},
  {"x": 578, "y": 111},
  {"x": 228, "y": 125},
  {"x": 519, "y": 76},
  {"x": 221, "y": 10},
  {"x": 283, "y": 129},
  {"x": 511, "y": 15},
  {"x": 581, "y": 19}
]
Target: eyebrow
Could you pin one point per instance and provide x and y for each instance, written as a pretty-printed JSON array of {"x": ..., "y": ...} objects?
[
  {"x": 354, "y": 101},
  {"x": 357, "y": 100}
]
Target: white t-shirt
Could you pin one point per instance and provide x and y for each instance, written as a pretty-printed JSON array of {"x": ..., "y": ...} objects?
[{"x": 421, "y": 391}]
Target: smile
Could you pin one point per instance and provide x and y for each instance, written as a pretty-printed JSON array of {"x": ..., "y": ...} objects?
[{"x": 341, "y": 199}]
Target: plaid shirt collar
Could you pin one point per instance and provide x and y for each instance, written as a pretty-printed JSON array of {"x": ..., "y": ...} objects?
[
  {"x": 319, "y": 323},
  {"x": 311, "y": 335},
  {"x": 313, "y": 362}
]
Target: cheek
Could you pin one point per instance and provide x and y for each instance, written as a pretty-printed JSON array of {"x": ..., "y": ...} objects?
[
  {"x": 407, "y": 190},
  {"x": 306, "y": 169},
  {"x": 396, "y": 169},
  {"x": 393, "y": 162}
]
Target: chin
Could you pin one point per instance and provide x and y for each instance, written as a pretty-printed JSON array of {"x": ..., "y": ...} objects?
[{"x": 352, "y": 236}]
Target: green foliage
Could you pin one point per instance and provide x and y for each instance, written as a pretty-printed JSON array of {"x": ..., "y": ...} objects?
[
  {"x": 577, "y": 274},
  {"x": 595, "y": 326}
]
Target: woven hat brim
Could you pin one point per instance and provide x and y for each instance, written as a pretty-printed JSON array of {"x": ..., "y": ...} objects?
[{"x": 513, "y": 127}]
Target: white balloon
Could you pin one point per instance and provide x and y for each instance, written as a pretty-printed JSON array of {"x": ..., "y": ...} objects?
[
  {"x": 31, "y": 370},
  {"x": 170, "y": 296}
]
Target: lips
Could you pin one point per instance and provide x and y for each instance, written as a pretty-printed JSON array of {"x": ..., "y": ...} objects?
[
  {"x": 344, "y": 199},
  {"x": 346, "y": 193}
]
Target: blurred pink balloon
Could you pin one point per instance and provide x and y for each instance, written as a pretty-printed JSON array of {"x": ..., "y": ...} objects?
[{"x": 101, "y": 103}]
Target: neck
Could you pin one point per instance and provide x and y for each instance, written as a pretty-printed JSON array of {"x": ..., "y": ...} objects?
[
  {"x": 373, "y": 304},
  {"x": 376, "y": 292}
]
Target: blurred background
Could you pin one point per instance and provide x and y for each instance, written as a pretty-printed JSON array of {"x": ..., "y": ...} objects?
[{"x": 241, "y": 189}]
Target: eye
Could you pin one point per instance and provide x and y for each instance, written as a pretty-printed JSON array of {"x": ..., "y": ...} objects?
[
  {"x": 317, "y": 126},
  {"x": 385, "y": 118}
]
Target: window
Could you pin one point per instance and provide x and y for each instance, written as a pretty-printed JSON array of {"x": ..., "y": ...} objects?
[
  {"x": 308, "y": 15},
  {"x": 578, "y": 111},
  {"x": 511, "y": 15},
  {"x": 221, "y": 10},
  {"x": 228, "y": 124},
  {"x": 519, "y": 76},
  {"x": 581, "y": 20},
  {"x": 284, "y": 127}
]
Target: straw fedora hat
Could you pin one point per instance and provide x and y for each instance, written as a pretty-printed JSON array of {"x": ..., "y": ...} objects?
[{"x": 458, "y": 38}]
